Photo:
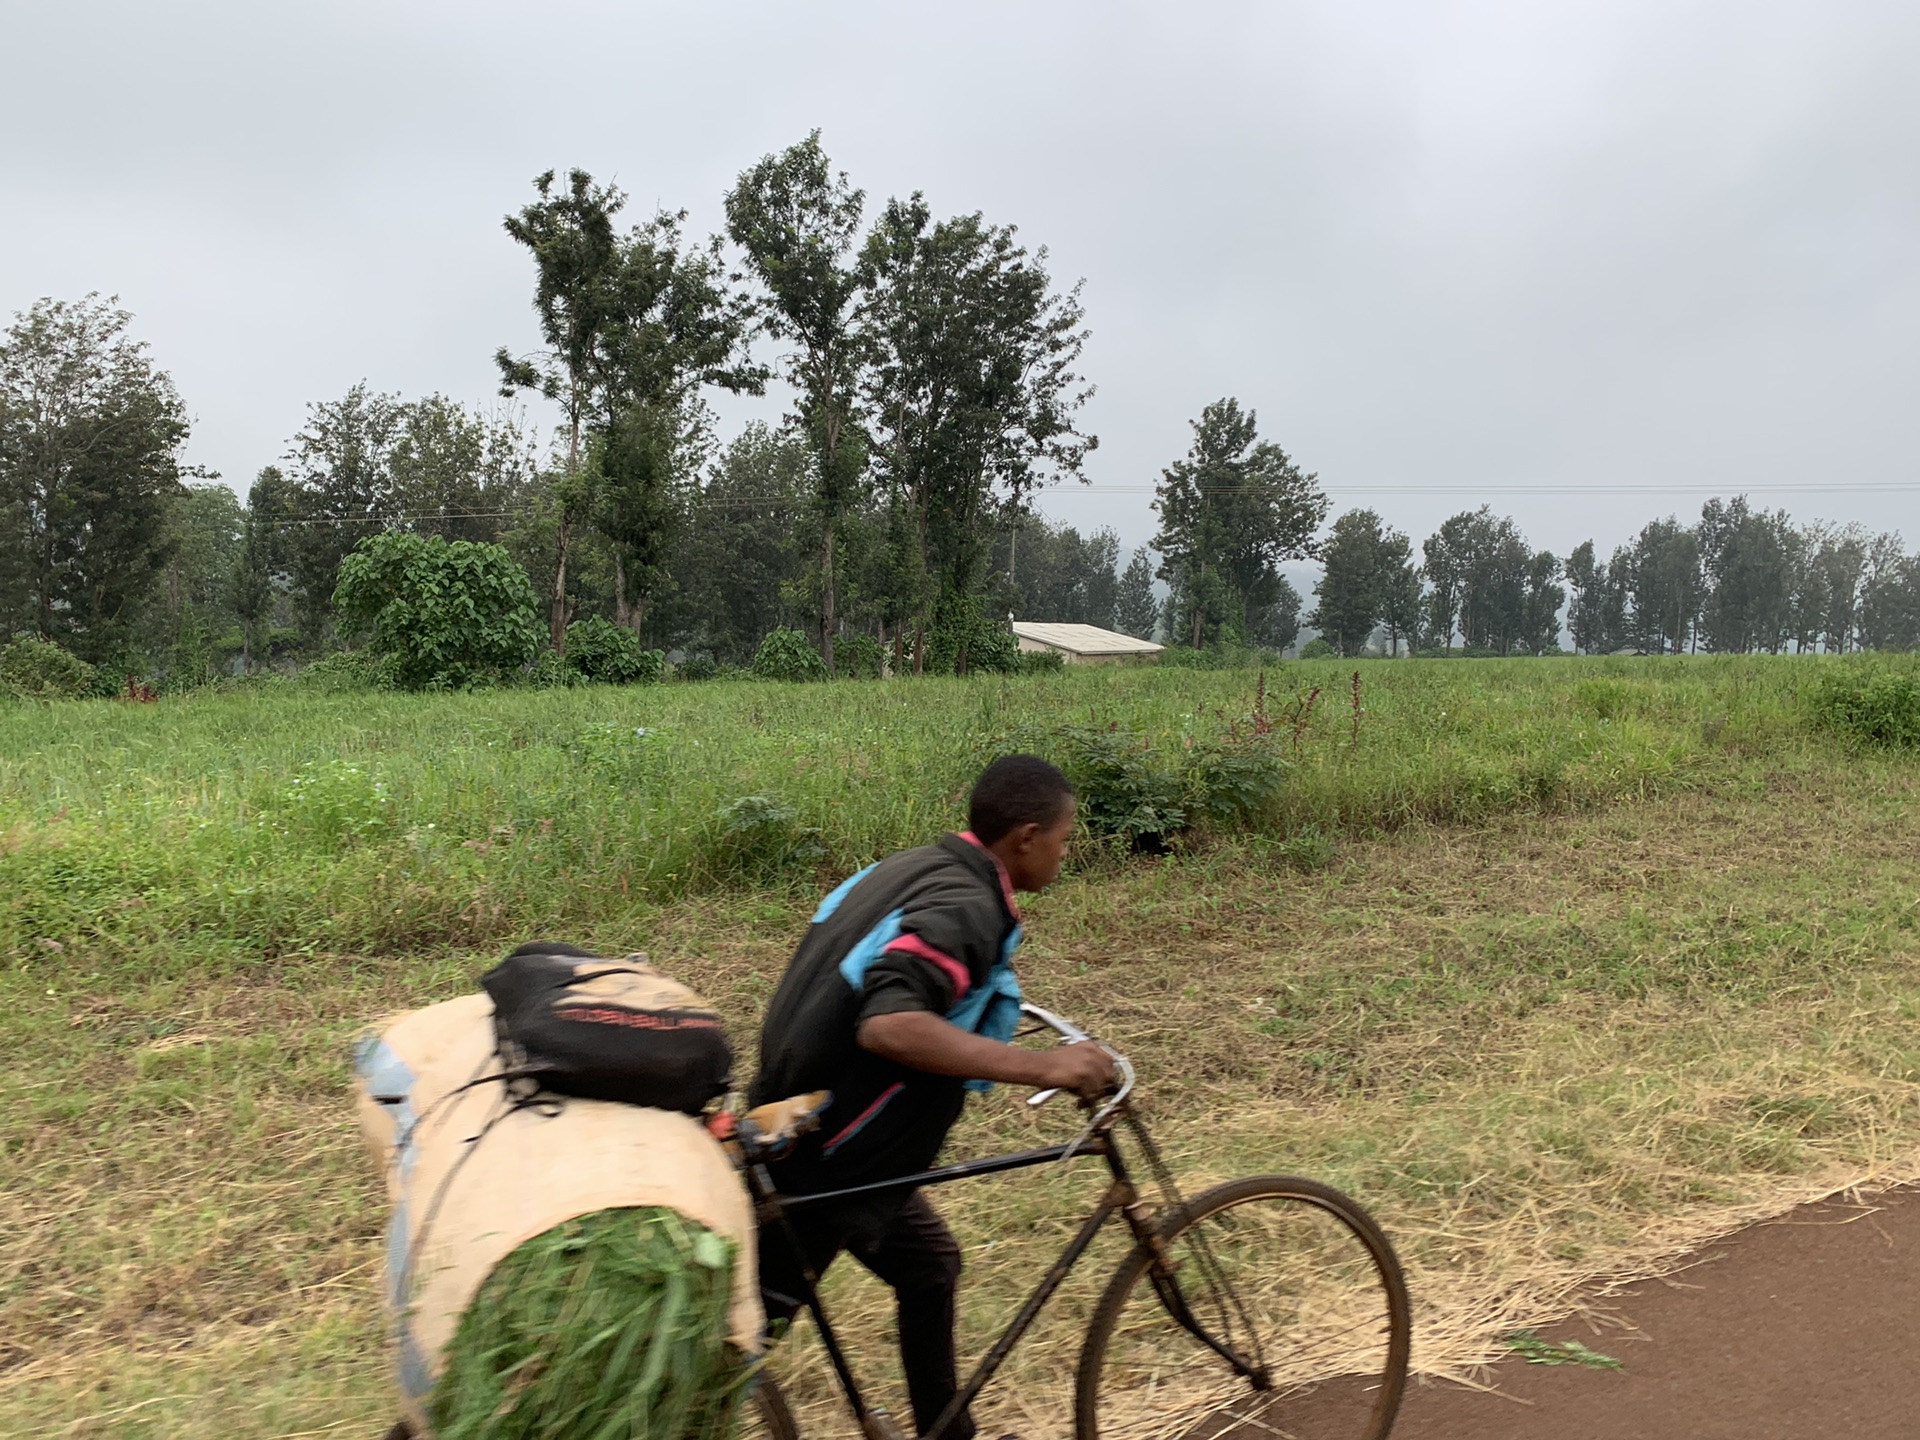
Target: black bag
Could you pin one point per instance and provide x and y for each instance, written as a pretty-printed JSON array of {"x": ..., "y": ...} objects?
[{"x": 607, "y": 1029}]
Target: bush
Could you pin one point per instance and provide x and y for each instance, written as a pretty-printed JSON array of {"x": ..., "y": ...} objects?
[
  {"x": 36, "y": 669},
  {"x": 598, "y": 649},
  {"x": 1319, "y": 648},
  {"x": 698, "y": 667},
  {"x": 347, "y": 671},
  {"x": 859, "y": 657},
  {"x": 763, "y": 836},
  {"x": 1125, "y": 791},
  {"x": 448, "y": 614},
  {"x": 788, "y": 655},
  {"x": 1878, "y": 706},
  {"x": 1236, "y": 780},
  {"x": 1042, "y": 662}
]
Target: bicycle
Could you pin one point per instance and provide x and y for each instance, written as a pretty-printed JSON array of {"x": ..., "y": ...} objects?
[{"x": 1268, "y": 1306}]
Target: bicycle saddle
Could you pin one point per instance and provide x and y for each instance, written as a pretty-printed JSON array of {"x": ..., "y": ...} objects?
[{"x": 768, "y": 1131}]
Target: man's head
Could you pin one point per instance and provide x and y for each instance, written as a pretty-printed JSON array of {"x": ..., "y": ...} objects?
[{"x": 1022, "y": 809}]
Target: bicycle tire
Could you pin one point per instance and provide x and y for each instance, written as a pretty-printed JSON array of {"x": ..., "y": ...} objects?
[{"x": 1321, "y": 1383}]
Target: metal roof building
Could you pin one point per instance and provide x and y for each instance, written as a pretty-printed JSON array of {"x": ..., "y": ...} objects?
[{"x": 1083, "y": 644}]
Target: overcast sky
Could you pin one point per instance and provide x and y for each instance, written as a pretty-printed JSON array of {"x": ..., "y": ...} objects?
[{"x": 1584, "y": 262}]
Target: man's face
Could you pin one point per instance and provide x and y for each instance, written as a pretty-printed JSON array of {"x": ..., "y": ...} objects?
[{"x": 1042, "y": 850}]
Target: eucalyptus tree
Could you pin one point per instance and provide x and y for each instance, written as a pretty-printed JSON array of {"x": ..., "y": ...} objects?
[
  {"x": 1890, "y": 598},
  {"x": 1230, "y": 512},
  {"x": 1359, "y": 556},
  {"x": 798, "y": 223},
  {"x": 972, "y": 393},
  {"x": 1664, "y": 585},
  {"x": 1597, "y": 616},
  {"x": 258, "y": 577},
  {"x": 1746, "y": 564},
  {"x": 1136, "y": 609},
  {"x": 91, "y": 432},
  {"x": 671, "y": 329},
  {"x": 576, "y": 252},
  {"x": 1477, "y": 566}
]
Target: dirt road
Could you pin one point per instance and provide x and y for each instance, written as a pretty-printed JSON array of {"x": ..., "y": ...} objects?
[{"x": 1803, "y": 1328}]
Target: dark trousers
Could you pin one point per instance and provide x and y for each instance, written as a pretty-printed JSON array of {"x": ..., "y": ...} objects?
[{"x": 916, "y": 1255}]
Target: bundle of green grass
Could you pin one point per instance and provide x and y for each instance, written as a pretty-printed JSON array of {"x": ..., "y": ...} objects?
[{"x": 609, "y": 1327}]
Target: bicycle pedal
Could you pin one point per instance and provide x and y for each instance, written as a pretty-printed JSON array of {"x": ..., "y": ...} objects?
[{"x": 880, "y": 1425}]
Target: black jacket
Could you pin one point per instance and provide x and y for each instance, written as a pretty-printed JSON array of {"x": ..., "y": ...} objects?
[{"x": 919, "y": 931}]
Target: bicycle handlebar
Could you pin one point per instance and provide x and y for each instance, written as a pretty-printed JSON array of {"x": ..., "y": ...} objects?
[{"x": 1072, "y": 1034}]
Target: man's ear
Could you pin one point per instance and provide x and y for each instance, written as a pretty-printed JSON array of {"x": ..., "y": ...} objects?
[{"x": 1026, "y": 834}]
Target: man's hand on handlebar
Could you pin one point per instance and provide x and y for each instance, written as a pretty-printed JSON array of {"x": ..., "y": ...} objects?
[{"x": 1084, "y": 1068}]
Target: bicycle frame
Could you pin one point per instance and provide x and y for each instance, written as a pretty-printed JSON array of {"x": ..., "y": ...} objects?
[{"x": 1121, "y": 1198}]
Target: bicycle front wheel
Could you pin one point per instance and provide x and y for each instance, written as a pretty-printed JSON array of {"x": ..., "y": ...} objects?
[{"x": 1277, "y": 1310}]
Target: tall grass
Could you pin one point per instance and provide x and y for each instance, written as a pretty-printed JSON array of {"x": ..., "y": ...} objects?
[{"x": 278, "y": 822}]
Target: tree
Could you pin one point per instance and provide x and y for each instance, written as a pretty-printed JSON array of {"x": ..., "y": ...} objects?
[
  {"x": 1136, "y": 609},
  {"x": 671, "y": 328},
  {"x": 1404, "y": 605},
  {"x": 739, "y": 559},
  {"x": 1661, "y": 575},
  {"x": 1229, "y": 514},
  {"x": 90, "y": 439},
  {"x": 576, "y": 257},
  {"x": 343, "y": 490},
  {"x": 1360, "y": 557},
  {"x": 257, "y": 574},
  {"x": 972, "y": 391},
  {"x": 446, "y": 613},
  {"x": 1276, "y": 625},
  {"x": 1890, "y": 598},
  {"x": 1743, "y": 568},
  {"x": 798, "y": 223},
  {"x": 1477, "y": 567},
  {"x": 1056, "y": 573},
  {"x": 453, "y": 472},
  {"x": 1540, "y": 611},
  {"x": 205, "y": 526}
]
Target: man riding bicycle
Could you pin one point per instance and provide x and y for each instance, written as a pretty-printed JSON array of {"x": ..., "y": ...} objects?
[{"x": 900, "y": 998}]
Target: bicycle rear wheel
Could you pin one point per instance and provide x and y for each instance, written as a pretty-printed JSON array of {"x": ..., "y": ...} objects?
[{"x": 1280, "y": 1311}]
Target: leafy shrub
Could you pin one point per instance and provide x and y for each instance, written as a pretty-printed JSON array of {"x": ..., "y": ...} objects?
[
  {"x": 960, "y": 627},
  {"x": 788, "y": 655},
  {"x": 698, "y": 667},
  {"x": 1042, "y": 662},
  {"x": 1125, "y": 791},
  {"x": 1318, "y": 648},
  {"x": 1878, "y": 706},
  {"x": 762, "y": 836},
  {"x": 37, "y": 669},
  {"x": 1235, "y": 780},
  {"x": 347, "y": 671},
  {"x": 859, "y": 657},
  {"x": 598, "y": 649},
  {"x": 447, "y": 613}
]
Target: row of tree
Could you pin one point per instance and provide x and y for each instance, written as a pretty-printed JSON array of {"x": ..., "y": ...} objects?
[
  {"x": 1738, "y": 580},
  {"x": 932, "y": 368}
]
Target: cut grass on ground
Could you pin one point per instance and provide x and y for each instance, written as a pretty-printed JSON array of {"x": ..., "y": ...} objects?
[{"x": 1541, "y": 1046}]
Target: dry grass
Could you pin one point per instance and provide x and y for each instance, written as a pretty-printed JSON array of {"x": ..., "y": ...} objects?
[{"x": 1543, "y": 1051}]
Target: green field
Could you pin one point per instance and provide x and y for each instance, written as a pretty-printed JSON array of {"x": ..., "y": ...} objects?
[{"x": 1556, "y": 964}]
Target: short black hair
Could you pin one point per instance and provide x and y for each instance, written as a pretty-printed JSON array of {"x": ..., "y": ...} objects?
[{"x": 1016, "y": 790}]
